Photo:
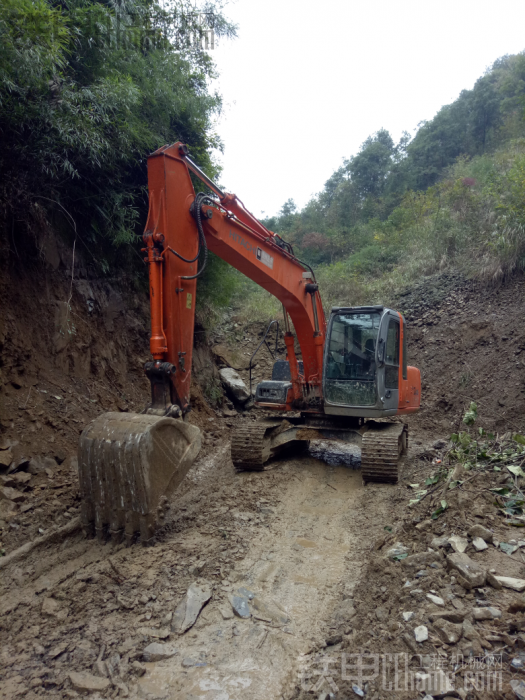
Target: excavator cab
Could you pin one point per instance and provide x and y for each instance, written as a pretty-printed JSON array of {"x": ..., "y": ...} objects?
[{"x": 365, "y": 364}]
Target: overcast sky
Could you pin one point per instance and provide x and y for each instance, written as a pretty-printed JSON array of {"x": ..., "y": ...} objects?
[{"x": 306, "y": 82}]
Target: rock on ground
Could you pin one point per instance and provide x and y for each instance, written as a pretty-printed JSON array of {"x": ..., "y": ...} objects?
[
  {"x": 517, "y": 584},
  {"x": 448, "y": 632},
  {"x": 86, "y": 683},
  {"x": 458, "y": 544},
  {"x": 234, "y": 384},
  {"x": 435, "y": 599},
  {"x": 158, "y": 652},
  {"x": 479, "y": 544},
  {"x": 240, "y": 605},
  {"x": 469, "y": 570},
  {"x": 421, "y": 633},
  {"x": 518, "y": 687},
  {"x": 189, "y": 608},
  {"x": 456, "y": 616},
  {"x": 483, "y": 532},
  {"x": 488, "y": 613}
]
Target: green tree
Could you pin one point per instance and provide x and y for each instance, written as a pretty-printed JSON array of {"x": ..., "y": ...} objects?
[
  {"x": 370, "y": 168},
  {"x": 87, "y": 89}
]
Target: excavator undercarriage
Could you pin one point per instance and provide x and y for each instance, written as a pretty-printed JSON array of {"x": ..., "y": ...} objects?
[{"x": 382, "y": 445}]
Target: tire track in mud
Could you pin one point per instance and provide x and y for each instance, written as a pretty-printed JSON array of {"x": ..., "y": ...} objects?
[{"x": 301, "y": 563}]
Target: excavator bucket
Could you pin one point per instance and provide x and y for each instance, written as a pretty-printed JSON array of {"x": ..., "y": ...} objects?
[{"x": 129, "y": 464}]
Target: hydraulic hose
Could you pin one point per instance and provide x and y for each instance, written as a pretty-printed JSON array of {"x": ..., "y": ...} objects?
[
  {"x": 185, "y": 259},
  {"x": 307, "y": 266},
  {"x": 199, "y": 201}
]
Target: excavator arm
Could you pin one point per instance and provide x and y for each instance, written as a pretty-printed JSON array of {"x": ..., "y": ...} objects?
[
  {"x": 129, "y": 464},
  {"x": 181, "y": 227}
]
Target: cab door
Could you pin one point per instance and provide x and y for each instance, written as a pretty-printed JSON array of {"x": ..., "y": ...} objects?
[{"x": 388, "y": 358}]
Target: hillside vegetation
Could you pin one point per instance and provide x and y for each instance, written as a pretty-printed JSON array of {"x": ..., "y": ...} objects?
[{"x": 451, "y": 197}]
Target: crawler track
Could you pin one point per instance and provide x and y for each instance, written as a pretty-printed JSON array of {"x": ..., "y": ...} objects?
[
  {"x": 250, "y": 447},
  {"x": 382, "y": 447}
]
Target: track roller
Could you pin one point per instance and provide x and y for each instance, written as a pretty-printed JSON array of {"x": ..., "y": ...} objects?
[
  {"x": 381, "y": 450},
  {"x": 251, "y": 445}
]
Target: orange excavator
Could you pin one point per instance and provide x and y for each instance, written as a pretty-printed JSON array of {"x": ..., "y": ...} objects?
[{"x": 352, "y": 371}]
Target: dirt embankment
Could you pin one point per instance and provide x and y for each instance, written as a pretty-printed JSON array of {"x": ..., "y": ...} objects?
[
  {"x": 426, "y": 622},
  {"x": 439, "y": 607},
  {"x": 71, "y": 346},
  {"x": 468, "y": 341}
]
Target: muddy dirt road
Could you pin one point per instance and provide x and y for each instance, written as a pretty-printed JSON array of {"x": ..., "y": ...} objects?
[
  {"x": 294, "y": 538},
  {"x": 291, "y": 541}
]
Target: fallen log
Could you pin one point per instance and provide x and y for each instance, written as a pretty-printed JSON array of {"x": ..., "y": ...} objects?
[{"x": 59, "y": 534}]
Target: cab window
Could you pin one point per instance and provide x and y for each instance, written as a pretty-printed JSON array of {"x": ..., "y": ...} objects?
[
  {"x": 350, "y": 377},
  {"x": 392, "y": 355}
]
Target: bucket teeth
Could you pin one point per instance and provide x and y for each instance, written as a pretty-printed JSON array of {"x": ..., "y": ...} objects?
[{"x": 129, "y": 464}]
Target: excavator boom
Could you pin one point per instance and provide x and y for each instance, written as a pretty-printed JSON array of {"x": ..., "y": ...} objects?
[{"x": 227, "y": 229}]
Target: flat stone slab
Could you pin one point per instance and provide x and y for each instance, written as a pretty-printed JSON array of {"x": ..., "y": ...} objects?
[
  {"x": 86, "y": 683},
  {"x": 517, "y": 584},
  {"x": 189, "y": 608},
  {"x": 158, "y": 652}
]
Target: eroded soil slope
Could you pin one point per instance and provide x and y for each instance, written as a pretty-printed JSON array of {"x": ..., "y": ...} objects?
[
  {"x": 468, "y": 341},
  {"x": 72, "y": 346}
]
